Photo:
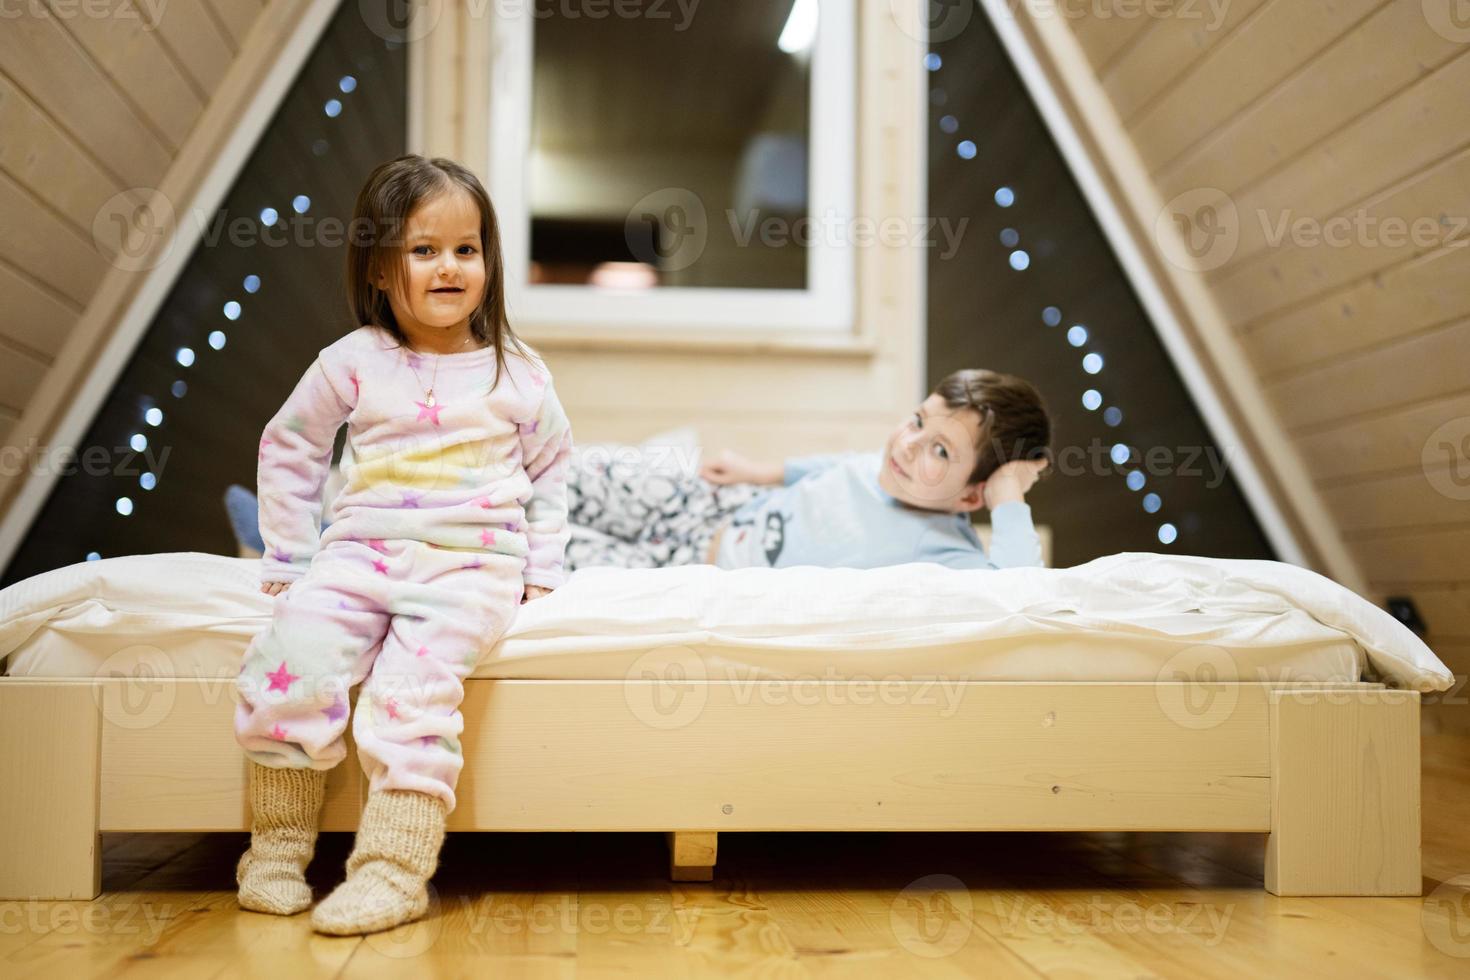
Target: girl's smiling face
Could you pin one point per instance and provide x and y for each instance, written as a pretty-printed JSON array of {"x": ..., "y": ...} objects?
[{"x": 443, "y": 279}]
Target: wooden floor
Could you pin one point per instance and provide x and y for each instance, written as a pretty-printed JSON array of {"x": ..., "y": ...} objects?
[{"x": 782, "y": 905}]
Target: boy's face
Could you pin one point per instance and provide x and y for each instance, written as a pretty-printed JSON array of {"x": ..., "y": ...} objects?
[{"x": 928, "y": 459}]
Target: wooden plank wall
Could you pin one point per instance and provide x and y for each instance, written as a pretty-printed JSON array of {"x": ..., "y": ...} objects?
[
  {"x": 95, "y": 99},
  {"x": 1347, "y": 117}
]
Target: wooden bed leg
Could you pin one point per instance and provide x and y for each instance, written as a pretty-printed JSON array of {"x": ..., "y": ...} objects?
[
  {"x": 1344, "y": 793},
  {"x": 692, "y": 855},
  {"x": 50, "y": 847}
]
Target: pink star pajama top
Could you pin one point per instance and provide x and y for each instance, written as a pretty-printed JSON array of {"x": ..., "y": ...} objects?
[{"x": 452, "y": 504}]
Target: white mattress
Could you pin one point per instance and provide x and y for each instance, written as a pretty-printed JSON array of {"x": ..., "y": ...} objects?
[{"x": 1128, "y": 617}]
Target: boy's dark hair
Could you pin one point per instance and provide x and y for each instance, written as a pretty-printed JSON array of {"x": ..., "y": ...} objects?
[
  {"x": 375, "y": 242},
  {"x": 1013, "y": 420}
]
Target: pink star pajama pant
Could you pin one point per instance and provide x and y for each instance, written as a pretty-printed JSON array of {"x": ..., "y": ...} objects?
[{"x": 411, "y": 618}]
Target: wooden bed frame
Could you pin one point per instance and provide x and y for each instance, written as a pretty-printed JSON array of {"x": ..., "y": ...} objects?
[{"x": 1331, "y": 772}]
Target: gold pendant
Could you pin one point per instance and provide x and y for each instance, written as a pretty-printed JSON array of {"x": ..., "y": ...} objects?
[{"x": 429, "y": 397}]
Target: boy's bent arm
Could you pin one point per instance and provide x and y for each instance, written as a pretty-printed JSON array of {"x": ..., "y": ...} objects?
[{"x": 1014, "y": 542}]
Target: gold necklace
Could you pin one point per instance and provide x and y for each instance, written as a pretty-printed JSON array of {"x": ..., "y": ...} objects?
[{"x": 429, "y": 390}]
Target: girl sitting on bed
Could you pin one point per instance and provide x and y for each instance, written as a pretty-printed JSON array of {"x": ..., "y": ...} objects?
[
  {"x": 452, "y": 514},
  {"x": 981, "y": 439}
]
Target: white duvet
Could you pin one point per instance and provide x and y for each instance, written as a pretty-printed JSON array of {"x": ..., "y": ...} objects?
[{"x": 1132, "y": 616}]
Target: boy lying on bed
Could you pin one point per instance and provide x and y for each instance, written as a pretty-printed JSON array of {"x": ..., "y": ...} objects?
[{"x": 981, "y": 439}]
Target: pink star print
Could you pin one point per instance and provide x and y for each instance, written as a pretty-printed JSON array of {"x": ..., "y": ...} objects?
[
  {"x": 487, "y": 538},
  {"x": 484, "y": 502},
  {"x": 377, "y": 545},
  {"x": 423, "y": 651},
  {"x": 537, "y": 380},
  {"x": 282, "y": 679},
  {"x": 392, "y": 705},
  {"x": 278, "y": 733},
  {"x": 411, "y": 499},
  {"x": 337, "y": 711},
  {"x": 380, "y": 566},
  {"x": 430, "y": 412}
]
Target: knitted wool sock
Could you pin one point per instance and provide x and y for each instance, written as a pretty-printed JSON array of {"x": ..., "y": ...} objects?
[
  {"x": 285, "y": 804},
  {"x": 393, "y": 857}
]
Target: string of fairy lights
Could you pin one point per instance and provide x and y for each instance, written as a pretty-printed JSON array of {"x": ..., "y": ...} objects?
[
  {"x": 152, "y": 416},
  {"x": 1077, "y": 335}
]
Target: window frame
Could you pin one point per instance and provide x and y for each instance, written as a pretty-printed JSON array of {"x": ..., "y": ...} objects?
[{"x": 826, "y": 307}]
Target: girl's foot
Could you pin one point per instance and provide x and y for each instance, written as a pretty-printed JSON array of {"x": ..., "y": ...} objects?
[
  {"x": 285, "y": 804},
  {"x": 393, "y": 858}
]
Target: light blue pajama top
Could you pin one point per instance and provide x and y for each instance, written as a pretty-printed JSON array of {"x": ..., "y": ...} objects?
[{"x": 830, "y": 511}]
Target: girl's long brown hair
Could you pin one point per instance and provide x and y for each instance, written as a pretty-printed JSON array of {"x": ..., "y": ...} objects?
[{"x": 375, "y": 242}]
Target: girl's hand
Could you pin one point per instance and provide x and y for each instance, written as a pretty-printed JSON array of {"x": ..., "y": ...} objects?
[
  {"x": 731, "y": 467},
  {"x": 1012, "y": 481},
  {"x": 534, "y": 592},
  {"x": 274, "y": 588}
]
